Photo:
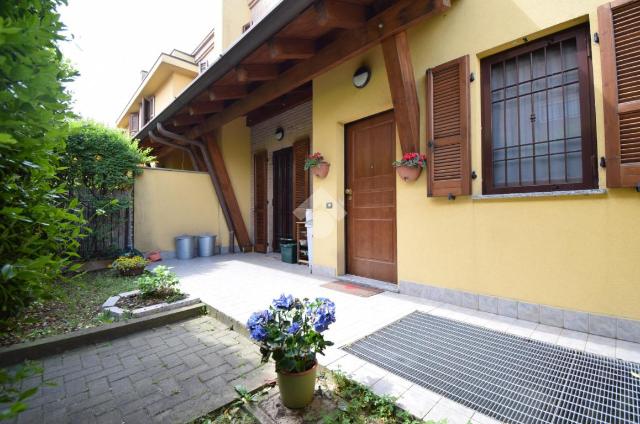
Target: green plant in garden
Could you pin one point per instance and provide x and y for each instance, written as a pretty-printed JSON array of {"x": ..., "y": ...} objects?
[
  {"x": 12, "y": 396},
  {"x": 364, "y": 406},
  {"x": 128, "y": 263},
  {"x": 39, "y": 224},
  {"x": 159, "y": 282}
]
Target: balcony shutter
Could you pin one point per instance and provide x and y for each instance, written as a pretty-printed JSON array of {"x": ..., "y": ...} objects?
[
  {"x": 133, "y": 123},
  {"x": 619, "y": 30},
  {"x": 300, "y": 179},
  {"x": 260, "y": 201},
  {"x": 448, "y": 144}
]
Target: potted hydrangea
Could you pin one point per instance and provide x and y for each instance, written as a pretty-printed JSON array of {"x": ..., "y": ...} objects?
[
  {"x": 318, "y": 166},
  {"x": 410, "y": 166},
  {"x": 290, "y": 332}
]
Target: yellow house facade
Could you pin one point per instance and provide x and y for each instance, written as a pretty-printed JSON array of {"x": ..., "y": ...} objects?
[{"x": 535, "y": 213}]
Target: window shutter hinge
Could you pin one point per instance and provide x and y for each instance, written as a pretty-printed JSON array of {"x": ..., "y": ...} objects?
[
  {"x": 596, "y": 38},
  {"x": 474, "y": 175},
  {"x": 430, "y": 144},
  {"x": 603, "y": 162},
  {"x": 472, "y": 77}
]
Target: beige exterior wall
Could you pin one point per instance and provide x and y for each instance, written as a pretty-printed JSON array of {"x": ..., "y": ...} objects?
[
  {"x": 578, "y": 252},
  {"x": 170, "y": 203}
]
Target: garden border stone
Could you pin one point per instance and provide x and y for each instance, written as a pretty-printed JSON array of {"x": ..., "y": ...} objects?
[
  {"x": 110, "y": 305},
  {"x": 56, "y": 344}
]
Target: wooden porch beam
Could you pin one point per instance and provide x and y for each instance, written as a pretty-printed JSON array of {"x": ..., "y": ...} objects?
[
  {"x": 257, "y": 72},
  {"x": 203, "y": 108},
  {"x": 185, "y": 120},
  {"x": 397, "y": 59},
  {"x": 340, "y": 14},
  {"x": 227, "y": 92},
  {"x": 220, "y": 170},
  {"x": 169, "y": 145},
  {"x": 398, "y": 17},
  {"x": 291, "y": 48}
]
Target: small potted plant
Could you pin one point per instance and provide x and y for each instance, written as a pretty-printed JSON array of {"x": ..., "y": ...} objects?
[
  {"x": 318, "y": 166},
  {"x": 290, "y": 332},
  {"x": 130, "y": 265},
  {"x": 410, "y": 166}
]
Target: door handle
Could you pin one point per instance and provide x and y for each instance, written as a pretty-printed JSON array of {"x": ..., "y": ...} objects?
[{"x": 348, "y": 191}]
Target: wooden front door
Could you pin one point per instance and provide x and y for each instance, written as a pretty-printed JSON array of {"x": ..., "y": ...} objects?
[
  {"x": 370, "y": 197},
  {"x": 282, "y": 196},
  {"x": 260, "y": 201}
]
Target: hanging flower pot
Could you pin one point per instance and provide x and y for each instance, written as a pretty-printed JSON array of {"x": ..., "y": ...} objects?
[
  {"x": 410, "y": 166},
  {"x": 318, "y": 166},
  {"x": 321, "y": 170},
  {"x": 290, "y": 333},
  {"x": 409, "y": 173}
]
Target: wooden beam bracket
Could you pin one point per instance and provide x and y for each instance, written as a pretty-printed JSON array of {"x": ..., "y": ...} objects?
[{"x": 397, "y": 59}]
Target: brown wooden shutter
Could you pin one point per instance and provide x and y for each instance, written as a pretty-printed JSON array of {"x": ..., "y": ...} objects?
[
  {"x": 448, "y": 141},
  {"x": 619, "y": 31},
  {"x": 260, "y": 201},
  {"x": 300, "y": 179},
  {"x": 133, "y": 123}
]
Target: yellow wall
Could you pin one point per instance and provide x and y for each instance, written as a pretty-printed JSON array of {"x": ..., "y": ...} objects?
[
  {"x": 578, "y": 253},
  {"x": 169, "y": 203},
  {"x": 170, "y": 89},
  {"x": 235, "y": 143}
]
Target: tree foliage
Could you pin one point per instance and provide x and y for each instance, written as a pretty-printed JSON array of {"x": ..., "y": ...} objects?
[
  {"x": 39, "y": 225},
  {"x": 101, "y": 160}
]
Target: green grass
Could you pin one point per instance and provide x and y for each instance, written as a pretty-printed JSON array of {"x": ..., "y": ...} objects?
[{"x": 73, "y": 305}]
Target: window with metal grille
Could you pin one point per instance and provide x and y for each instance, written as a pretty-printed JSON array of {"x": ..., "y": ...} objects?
[{"x": 537, "y": 116}]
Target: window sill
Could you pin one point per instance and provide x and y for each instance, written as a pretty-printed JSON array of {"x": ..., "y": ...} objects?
[{"x": 593, "y": 192}]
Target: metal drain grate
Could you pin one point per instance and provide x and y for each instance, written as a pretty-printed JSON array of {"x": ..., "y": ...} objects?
[{"x": 507, "y": 377}]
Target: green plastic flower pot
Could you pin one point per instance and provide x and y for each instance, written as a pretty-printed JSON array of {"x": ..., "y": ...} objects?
[{"x": 296, "y": 389}]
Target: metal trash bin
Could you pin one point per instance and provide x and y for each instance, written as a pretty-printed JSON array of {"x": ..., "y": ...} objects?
[
  {"x": 206, "y": 244},
  {"x": 185, "y": 247}
]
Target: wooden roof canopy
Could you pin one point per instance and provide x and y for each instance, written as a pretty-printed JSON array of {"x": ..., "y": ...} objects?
[
  {"x": 273, "y": 65},
  {"x": 279, "y": 71}
]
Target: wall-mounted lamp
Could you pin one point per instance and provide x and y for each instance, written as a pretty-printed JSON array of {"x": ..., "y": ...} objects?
[
  {"x": 279, "y": 133},
  {"x": 361, "y": 77}
]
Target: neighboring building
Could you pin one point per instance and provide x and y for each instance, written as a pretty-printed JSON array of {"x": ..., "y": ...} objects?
[{"x": 528, "y": 111}]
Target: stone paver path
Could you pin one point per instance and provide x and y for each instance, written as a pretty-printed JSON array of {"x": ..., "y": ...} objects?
[
  {"x": 170, "y": 374},
  {"x": 239, "y": 284}
]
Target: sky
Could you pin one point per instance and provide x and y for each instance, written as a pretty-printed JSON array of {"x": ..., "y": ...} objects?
[{"x": 113, "y": 40}]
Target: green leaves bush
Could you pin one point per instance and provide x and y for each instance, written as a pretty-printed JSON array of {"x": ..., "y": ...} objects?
[
  {"x": 159, "y": 282},
  {"x": 39, "y": 224},
  {"x": 101, "y": 161}
]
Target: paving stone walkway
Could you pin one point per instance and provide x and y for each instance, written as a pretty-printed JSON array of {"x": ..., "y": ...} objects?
[{"x": 170, "y": 374}]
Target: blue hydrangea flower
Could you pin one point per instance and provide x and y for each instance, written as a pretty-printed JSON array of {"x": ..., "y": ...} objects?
[
  {"x": 324, "y": 314},
  {"x": 294, "y": 328},
  {"x": 256, "y": 325},
  {"x": 283, "y": 302}
]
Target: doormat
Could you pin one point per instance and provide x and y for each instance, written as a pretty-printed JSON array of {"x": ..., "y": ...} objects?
[
  {"x": 509, "y": 378},
  {"x": 354, "y": 289}
]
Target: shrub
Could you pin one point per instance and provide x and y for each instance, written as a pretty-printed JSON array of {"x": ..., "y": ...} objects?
[
  {"x": 39, "y": 224},
  {"x": 100, "y": 166},
  {"x": 159, "y": 282},
  {"x": 130, "y": 265},
  {"x": 290, "y": 331}
]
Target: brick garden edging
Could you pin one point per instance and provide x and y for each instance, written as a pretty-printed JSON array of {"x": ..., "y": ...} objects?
[{"x": 60, "y": 343}]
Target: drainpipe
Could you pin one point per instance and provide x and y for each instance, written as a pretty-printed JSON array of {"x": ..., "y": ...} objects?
[
  {"x": 207, "y": 160},
  {"x": 153, "y": 136}
]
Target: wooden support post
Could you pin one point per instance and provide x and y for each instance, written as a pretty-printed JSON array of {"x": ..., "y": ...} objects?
[
  {"x": 397, "y": 58},
  {"x": 220, "y": 170}
]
